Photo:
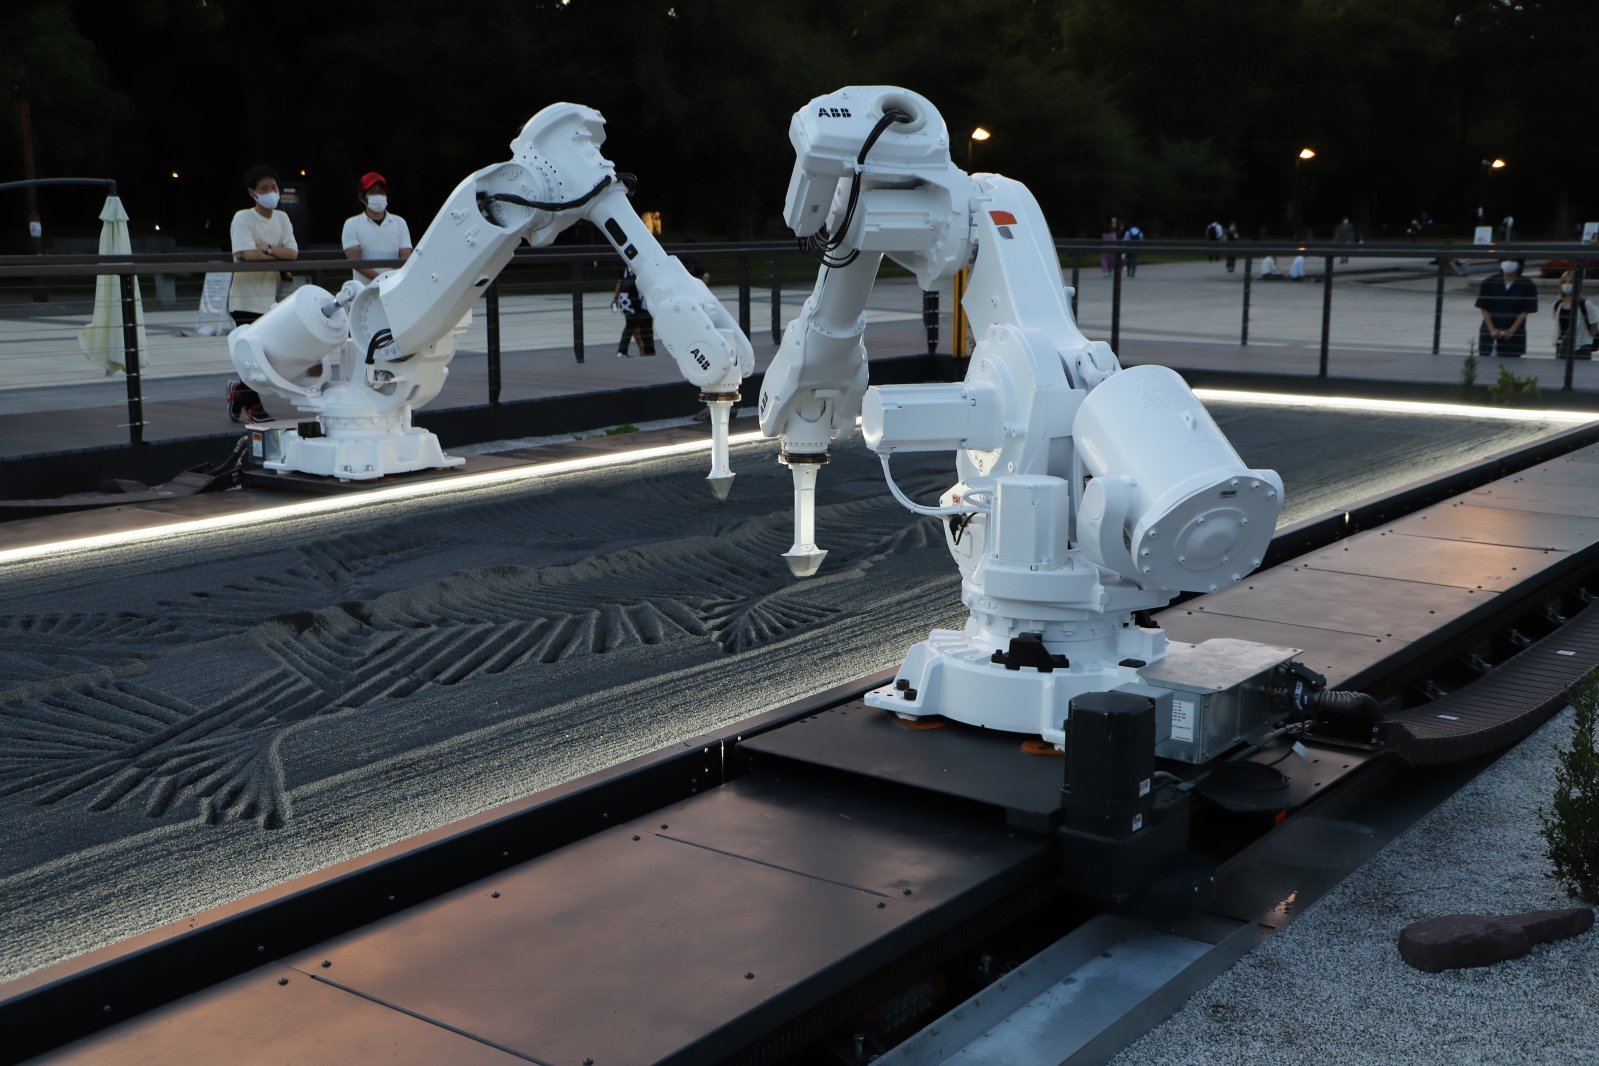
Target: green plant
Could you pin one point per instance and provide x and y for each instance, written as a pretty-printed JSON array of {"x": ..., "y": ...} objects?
[
  {"x": 1510, "y": 390},
  {"x": 615, "y": 431},
  {"x": 1571, "y": 828},
  {"x": 1468, "y": 373}
]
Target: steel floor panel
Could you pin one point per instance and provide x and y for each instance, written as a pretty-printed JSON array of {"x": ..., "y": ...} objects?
[
  {"x": 1539, "y": 496},
  {"x": 954, "y": 760},
  {"x": 686, "y": 935},
  {"x": 1335, "y": 655},
  {"x": 1381, "y": 608},
  {"x": 1562, "y": 471},
  {"x": 1501, "y": 525},
  {"x": 1456, "y": 563},
  {"x": 253, "y": 1020}
]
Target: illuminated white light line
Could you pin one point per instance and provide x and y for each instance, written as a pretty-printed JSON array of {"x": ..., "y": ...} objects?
[
  {"x": 1409, "y": 407},
  {"x": 330, "y": 504}
]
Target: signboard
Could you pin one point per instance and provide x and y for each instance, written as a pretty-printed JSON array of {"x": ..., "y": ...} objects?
[
  {"x": 1483, "y": 235},
  {"x": 213, "y": 319}
]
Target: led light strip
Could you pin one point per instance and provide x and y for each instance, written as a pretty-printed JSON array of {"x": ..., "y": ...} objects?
[
  {"x": 330, "y": 504},
  {"x": 513, "y": 475},
  {"x": 1408, "y": 407}
]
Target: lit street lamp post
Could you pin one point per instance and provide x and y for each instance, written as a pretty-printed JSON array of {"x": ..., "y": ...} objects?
[
  {"x": 978, "y": 134},
  {"x": 1305, "y": 155}
]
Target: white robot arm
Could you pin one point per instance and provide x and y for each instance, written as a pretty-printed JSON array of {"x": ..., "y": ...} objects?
[
  {"x": 1088, "y": 494},
  {"x": 398, "y": 333},
  {"x": 872, "y": 176}
]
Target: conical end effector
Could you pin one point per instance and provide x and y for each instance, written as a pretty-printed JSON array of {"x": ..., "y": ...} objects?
[
  {"x": 803, "y": 562},
  {"x": 720, "y": 485}
]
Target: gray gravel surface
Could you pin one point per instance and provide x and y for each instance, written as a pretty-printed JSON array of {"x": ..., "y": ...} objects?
[
  {"x": 1331, "y": 988},
  {"x": 184, "y": 722}
]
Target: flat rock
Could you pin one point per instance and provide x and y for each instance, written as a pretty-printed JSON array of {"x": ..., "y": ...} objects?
[
  {"x": 1458, "y": 941},
  {"x": 1545, "y": 927}
]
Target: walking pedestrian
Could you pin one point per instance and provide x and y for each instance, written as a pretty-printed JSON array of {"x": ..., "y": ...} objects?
[
  {"x": 1346, "y": 234},
  {"x": 1232, "y": 235},
  {"x": 1214, "y": 233},
  {"x": 636, "y": 320},
  {"x": 1108, "y": 257},
  {"x": 1132, "y": 233}
]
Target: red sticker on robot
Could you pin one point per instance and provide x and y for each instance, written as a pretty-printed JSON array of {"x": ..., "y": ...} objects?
[{"x": 1002, "y": 218}]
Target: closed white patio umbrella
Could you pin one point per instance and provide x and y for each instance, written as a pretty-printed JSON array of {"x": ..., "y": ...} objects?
[{"x": 101, "y": 340}]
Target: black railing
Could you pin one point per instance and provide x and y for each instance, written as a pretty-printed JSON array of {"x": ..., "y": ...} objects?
[{"x": 580, "y": 259}]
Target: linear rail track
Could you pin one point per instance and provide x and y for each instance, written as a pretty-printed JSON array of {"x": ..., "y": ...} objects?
[{"x": 569, "y": 961}]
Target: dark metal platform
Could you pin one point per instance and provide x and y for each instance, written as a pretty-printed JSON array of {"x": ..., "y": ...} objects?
[
  {"x": 984, "y": 766},
  {"x": 720, "y": 917}
]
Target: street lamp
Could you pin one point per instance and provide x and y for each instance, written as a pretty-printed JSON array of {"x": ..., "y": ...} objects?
[
  {"x": 978, "y": 134},
  {"x": 1488, "y": 167},
  {"x": 1305, "y": 155}
]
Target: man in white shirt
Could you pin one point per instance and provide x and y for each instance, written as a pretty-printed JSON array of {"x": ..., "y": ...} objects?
[
  {"x": 259, "y": 234},
  {"x": 377, "y": 232}
]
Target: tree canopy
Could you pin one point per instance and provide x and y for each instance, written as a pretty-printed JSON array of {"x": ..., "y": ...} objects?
[{"x": 1170, "y": 113}]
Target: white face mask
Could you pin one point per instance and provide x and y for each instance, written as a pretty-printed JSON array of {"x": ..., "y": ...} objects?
[
  {"x": 1565, "y": 288},
  {"x": 1508, "y": 266},
  {"x": 378, "y": 203},
  {"x": 268, "y": 200}
]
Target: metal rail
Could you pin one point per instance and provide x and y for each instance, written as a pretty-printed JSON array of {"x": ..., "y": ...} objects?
[{"x": 575, "y": 257}]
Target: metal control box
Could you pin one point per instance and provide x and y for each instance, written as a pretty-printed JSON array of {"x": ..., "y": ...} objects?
[{"x": 1221, "y": 695}]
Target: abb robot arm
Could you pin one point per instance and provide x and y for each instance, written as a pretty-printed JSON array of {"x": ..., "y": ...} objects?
[
  {"x": 1088, "y": 495},
  {"x": 393, "y": 339}
]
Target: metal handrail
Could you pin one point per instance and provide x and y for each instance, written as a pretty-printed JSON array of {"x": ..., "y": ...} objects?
[{"x": 1070, "y": 252}]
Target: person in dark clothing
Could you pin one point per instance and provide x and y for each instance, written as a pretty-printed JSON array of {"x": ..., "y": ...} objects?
[
  {"x": 636, "y": 317},
  {"x": 1506, "y": 302}
]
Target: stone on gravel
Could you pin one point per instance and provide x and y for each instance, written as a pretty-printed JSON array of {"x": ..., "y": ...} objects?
[
  {"x": 1545, "y": 927},
  {"x": 1459, "y": 941}
]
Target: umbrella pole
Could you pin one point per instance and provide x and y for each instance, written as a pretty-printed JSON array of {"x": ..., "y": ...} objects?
[{"x": 130, "y": 362}]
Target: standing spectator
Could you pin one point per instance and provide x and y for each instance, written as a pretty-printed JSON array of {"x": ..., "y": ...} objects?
[
  {"x": 1506, "y": 302},
  {"x": 1132, "y": 233},
  {"x": 1346, "y": 234},
  {"x": 1587, "y": 335},
  {"x": 1214, "y": 232},
  {"x": 1509, "y": 223},
  {"x": 1108, "y": 257},
  {"x": 260, "y": 233},
  {"x": 636, "y": 317},
  {"x": 1232, "y": 235},
  {"x": 377, "y": 232}
]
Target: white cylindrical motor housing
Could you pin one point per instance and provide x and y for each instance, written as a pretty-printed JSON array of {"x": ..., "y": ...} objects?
[
  {"x": 295, "y": 335},
  {"x": 1197, "y": 519},
  {"x": 930, "y": 418}
]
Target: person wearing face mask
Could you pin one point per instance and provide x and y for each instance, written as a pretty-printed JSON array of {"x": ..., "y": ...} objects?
[
  {"x": 260, "y": 233},
  {"x": 377, "y": 232},
  {"x": 1506, "y": 301},
  {"x": 1587, "y": 333}
]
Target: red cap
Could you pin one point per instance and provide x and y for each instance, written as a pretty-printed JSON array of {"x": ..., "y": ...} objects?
[{"x": 371, "y": 178}]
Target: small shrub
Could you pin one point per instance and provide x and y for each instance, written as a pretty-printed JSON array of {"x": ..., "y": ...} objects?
[
  {"x": 1571, "y": 827},
  {"x": 1511, "y": 390},
  {"x": 615, "y": 431},
  {"x": 1468, "y": 374}
]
